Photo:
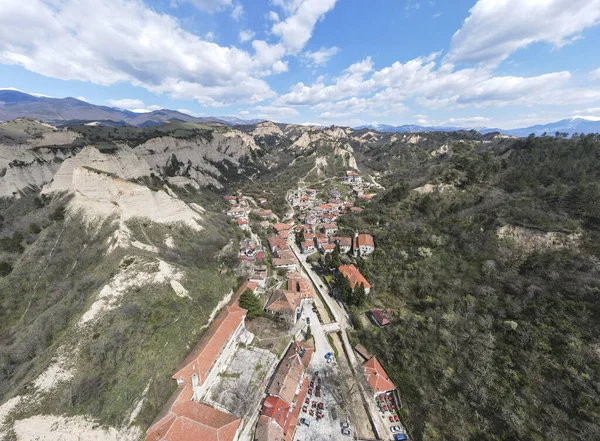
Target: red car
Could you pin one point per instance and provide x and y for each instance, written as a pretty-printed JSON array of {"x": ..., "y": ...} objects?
[
  {"x": 307, "y": 400},
  {"x": 309, "y": 391},
  {"x": 391, "y": 419},
  {"x": 396, "y": 419},
  {"x": 312, "y": 384}
]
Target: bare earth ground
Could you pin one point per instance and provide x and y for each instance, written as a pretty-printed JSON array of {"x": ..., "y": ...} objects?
[
  {"x": 269, "y": 334},
  {"x": 240, "y": 388},
  {"x": 358, "y": 415}
]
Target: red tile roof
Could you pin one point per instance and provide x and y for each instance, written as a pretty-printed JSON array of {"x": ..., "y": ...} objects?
[
  {"x": 354, "y": 276},
  {"x": 377, "y": 377},
  {"x": 188, "y": 420},
  {"x": 380, "y": 317},
  {"x": 364, "y": 240},
  {"x": 202, "y": 358},
  {"x": 280, "y": 227},
  {"x": 276, "y": 408}
]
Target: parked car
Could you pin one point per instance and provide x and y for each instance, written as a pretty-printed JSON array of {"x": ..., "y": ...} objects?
[
  {"x": 346, "y": 431},
  {"x": 400, "y": 437},
  {"x": 395, "y": 429},
  {"x": 344, "y": 425},
  {"x": 305, "y": 421},
  {"x": 308, "y": 320}
]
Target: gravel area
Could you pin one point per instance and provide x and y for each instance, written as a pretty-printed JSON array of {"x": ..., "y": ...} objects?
[{"x": 240, "y": 388}]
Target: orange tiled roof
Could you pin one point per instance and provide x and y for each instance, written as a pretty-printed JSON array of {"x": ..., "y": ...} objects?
[
  {"x": 354, "y": 276},
  {"x": 365, "y": 240},
  {"x": 208, "y": 350},
  {"x": 289, "y": 374},
  {"x": 280, "y": 227},
  {"x": 276, "y": 408},
  {"x": 268, "y": 430},
  {"x": 188, "y": 420},
  {"x": 377, "y": 377}
]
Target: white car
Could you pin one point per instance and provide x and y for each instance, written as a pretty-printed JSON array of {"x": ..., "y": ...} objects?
[{"x": 395, "y": 429}]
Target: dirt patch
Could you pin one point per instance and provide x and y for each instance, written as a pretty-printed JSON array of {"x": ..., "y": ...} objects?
[
  {"x": 531, "y": 239},
  {"x": 269, "y": 334}
]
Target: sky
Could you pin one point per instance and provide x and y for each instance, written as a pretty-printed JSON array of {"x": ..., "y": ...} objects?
[{"x": 466, "y": 63}]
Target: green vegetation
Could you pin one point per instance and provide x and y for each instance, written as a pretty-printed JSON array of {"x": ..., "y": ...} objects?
[
  {"x": 251, "y": 303},
  {"x": 491, "y": 338}
]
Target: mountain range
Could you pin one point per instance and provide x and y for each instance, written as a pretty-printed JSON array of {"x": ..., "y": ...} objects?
[
  {"x": 569, "y": 125},
  {"x": 63, "y": 111}
]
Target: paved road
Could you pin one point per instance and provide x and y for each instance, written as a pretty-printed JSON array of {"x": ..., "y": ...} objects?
[{"x": 340, "y": 316}]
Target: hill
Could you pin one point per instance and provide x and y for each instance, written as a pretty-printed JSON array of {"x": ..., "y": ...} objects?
[{"x": 16, "y": 104}]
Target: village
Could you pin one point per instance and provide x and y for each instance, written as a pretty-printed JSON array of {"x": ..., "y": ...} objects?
[{"x": 292, "y": 373}]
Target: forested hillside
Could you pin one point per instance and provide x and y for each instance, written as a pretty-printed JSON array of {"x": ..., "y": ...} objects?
[{"x": 491, "y": 271}]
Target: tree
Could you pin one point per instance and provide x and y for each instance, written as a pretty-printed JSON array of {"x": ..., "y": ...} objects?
[
  {"x": 5, "y": 269},
  {"x": 359, "y": 295},
  {"x": 299, "y": 238},
  {"x": 308, "y": 335},
  {"x": 343, "y": 286},
  {"x": 251, "y": 303}
]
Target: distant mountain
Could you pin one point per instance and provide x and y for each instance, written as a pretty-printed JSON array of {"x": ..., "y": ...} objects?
[
  {"x": 15, "y": 104},
  {"x": 570, "y": 126}
]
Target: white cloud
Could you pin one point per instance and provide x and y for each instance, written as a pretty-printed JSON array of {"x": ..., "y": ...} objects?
[
  {"x": 496, "y": 29},
  {"x": 297, "y": 28},
  {"x": 126, "y": 41},
  {"x": 385, "y": 92},
  {"x": 595, "y": 74},
  {"x": 238, "y": 11},
  {"x": 126, "y": 103},
  {"x": 210, "y": 36},
  {"x": 320, "y": 57},
  {"x": 467, "y": 122},
  {"x": 273, "y": 16},
  {"x": 207, "y": 5},
  {"x": 246, "y": 35},
  {"x": 133, "y": 105},
  {"x": 274, "y": 112}
]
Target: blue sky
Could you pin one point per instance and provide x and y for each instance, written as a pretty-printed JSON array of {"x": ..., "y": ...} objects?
[{"x": 494, "y": 63}]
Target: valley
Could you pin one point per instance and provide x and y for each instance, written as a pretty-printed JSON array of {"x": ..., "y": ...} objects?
[{"x": 154, "y": 280}]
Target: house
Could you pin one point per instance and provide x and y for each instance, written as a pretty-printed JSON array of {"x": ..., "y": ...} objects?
[
  {"x": 311, "y": 193},
  {"x": 259, "y": 278},
  {"x": 366, "y": 196},
  {"x": 364, "y": 244},
  {"x": 330, "y": 229},
  {"x": 280, "y": 411},
  {"x": 327, "y": 248},
  {"x": 236, "y": 212},
  {"x": 287, "y": 304},
  {"x": 354, "y": 277},
  {"x": 281, "y": 227},
  {"x": 283, "y": 234},
  {"x": 377, "y": 378},
  {"x": 345, "y": 244},
  {"x": 356, "y": 209},
  {"x": 262, "y": 201},
  {"x": 380, "y": 317},
  {"x": 265, "y": 224},
  {"x": 336, "y": 194},
  {"x": 289, "y": 264},
  {"x": 265, "y": 214},
  {"x": 275, "y": 242},
  {"x": 307, "y": 246},
  {"x": 230, "y": 199},
  {"x": 352, "y": 177},
  {"x": 243, "y": 223},
  {"x": 322, "y": 239}
]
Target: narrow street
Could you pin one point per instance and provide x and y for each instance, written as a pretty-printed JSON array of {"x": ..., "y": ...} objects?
[{"x": 341, "y": 318}]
